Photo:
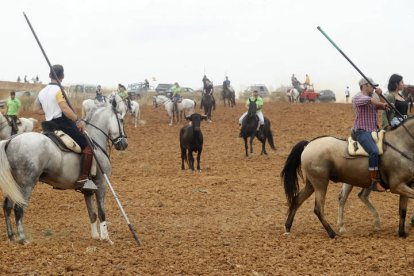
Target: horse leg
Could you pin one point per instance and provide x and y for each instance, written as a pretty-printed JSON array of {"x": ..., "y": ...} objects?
[
  {"x": 343, "y": 196},
  {"x": 303, "y": 195},
  {"x": 7, "y": 208},
  {"x": 19, "y": 210},
  {"x": 246, "y": 147},
  {"x": 403, "y": 214},
  {"x": 251, "y": 144},
  {"x": 320, "y": 195},
  {"x": 100, "y": 202},
  {"x": 92, "y": 214},
  {"x": 363, "y": 195}
]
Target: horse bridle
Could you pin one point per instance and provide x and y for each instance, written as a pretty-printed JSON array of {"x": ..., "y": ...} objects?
[
  {"x": 122, "y": 133},
  {"x": 397, "y": 150}
]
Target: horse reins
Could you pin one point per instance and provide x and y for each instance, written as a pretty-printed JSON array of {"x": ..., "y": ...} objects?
[
  {"x": 115, "y": 140},
  {"x": 397, "y": 150}
]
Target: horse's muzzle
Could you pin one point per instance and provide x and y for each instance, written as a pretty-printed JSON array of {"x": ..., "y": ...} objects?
[{"x": 121, "y": 143}]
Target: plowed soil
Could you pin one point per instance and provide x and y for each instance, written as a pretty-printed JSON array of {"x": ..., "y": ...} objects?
[{"x": 228, "y": 219}]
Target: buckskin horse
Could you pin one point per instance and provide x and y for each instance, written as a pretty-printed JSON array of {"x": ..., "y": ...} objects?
[
  {"x": 322, "y": 159},
  {"x": 32, "y": 157},
  {"x": 249, "y": 130}
]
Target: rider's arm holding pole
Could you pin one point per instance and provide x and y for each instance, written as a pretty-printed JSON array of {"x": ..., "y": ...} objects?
[{"x": 381, "y": 103}]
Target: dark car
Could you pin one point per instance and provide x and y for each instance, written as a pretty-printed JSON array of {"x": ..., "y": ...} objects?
[
  {"x": 136, "y": 90},
  {"x": 261, "y": 88},
  {"x": 163, "y": 87},
  {"x": 327, "y": 96}
]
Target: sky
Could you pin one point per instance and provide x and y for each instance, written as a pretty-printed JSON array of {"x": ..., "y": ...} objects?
[{"x": 252, "y": 41}]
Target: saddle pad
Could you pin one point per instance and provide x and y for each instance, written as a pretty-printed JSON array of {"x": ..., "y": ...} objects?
[
  {"x": 63, "y": 141},
  {"x": 68, "y": 141},
  {"x": 355, "y": 149}
]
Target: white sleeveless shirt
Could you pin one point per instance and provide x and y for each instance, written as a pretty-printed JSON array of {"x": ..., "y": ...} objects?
[{"x": 49, "y": 97}]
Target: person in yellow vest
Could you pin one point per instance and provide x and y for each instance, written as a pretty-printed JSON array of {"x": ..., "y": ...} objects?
[
  {"x": 12, "y": 111},
  {"x": 307, "y": 81}
]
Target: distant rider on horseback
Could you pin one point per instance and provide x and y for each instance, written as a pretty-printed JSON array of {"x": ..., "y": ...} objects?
[
  {"x": 176, "y": 95},
  {"x": 208, "y": 89},
  {"x": 12, "y": 111},
  {"x": 51, "y": 103},
  {"x": 259, "y": 104},
  {"x": 124, "y": 96},
  {"x": 99, "y": 96}
]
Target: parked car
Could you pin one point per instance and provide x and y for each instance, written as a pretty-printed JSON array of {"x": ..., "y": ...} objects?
[
  {"x": 163, "y": 87},
  {"x": 136, "y": 90},
  {"x": 22, "y": 96},
  {"x": 261, "y": 88},
  {"x": 327, "y": 96},
  {"x": 82, "y": 90}
]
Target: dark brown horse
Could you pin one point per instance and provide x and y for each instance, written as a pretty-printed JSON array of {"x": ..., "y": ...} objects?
[
  {"x": 322, "y": 159},
  {"x": 408, "y": 93}
]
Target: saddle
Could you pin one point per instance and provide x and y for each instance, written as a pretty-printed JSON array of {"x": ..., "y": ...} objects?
[
  {"x": 355, "y": 148},
  {"x": 62, "y": 140}
]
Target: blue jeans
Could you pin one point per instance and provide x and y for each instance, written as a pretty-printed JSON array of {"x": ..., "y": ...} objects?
[{"x": 367, "y": 142}]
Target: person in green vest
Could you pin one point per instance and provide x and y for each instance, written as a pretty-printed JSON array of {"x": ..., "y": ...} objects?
[
  {"x": 176, "y": 96},
  {"x": 124, "y": 95},
  {"x": 259, "y": 104},
  {"x": 12, "y": 111}
]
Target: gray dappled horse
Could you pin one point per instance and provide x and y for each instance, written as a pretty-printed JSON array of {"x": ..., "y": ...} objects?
[
  {"x": 322, "y": 159},
  {"x": 26, "y": 125},
  {"x": 249, "y": 130},
  {"x": 186, "y": 106},
  {"x": 33, "y": 157}
]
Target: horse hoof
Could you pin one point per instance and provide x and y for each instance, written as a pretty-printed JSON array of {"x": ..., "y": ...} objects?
[{"x": 23, "y": 242}]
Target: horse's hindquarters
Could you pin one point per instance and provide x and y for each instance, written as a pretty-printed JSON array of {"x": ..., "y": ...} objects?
[{"x": 323, "y": 160}]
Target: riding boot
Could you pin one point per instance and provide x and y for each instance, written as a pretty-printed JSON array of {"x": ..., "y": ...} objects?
[
  {"x": 14, "y": 126},
  {"x": 376, "y": 184},
  {"x": 87, "y": 156}
]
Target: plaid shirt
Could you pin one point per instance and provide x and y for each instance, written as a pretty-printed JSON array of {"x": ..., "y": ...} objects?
[{"x": 366, "y": 116}]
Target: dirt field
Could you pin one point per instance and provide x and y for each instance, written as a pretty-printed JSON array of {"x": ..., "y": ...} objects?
[{"x": 227, "y": 220}]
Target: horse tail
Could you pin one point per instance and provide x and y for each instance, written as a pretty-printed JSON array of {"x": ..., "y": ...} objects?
[
  {"x": 7, "y": 183},
  {"x": 290, "y": 173}
]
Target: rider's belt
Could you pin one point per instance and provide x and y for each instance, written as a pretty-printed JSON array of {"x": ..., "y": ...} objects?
[{"x": 355, "y": 148}]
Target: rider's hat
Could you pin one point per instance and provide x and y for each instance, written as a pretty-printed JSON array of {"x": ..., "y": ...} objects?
[
  {"x": 121, "y": 86},
  {"x": 364, "y": 81}
]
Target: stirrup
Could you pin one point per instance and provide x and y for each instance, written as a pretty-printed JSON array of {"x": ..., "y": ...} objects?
[
  {"x": 374, "y": 186},
  {"x": 89, "y": 185}
]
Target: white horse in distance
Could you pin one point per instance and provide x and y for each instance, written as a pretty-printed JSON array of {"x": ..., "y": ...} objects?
[
  {"x": 5, "y": 130},
  {"x": 187, "y": 106}
]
